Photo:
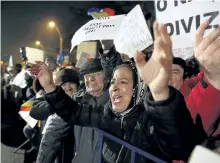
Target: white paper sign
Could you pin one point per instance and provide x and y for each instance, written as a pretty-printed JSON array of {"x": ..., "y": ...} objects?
[
  {"x": 19, "y": 80},
  {"x": 26, "y": 116},
  {"x": 133, "y": 34},
  {"x": 183, "y": 18},
  {"x": 130, "y": 32},
  {"x": 34, "y": 54},
  {"x": 203, "y": 155},
  {"x": 103, "y": 29},
  {"x": 10, "y": 61},
  {"x": 184, "y": 53},
  {"x": 82, "y": 59}
]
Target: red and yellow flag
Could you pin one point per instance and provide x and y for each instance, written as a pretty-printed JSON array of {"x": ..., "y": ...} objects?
[{"x": 27, "y": 105}]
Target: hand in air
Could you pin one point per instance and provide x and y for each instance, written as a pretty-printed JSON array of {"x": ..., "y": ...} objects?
[
  {"x": 107, "y": 44},
  {"x": 207, "y": 52},
  {"x": 157, "y": 70},
  {"x": 44, "y": 75}
]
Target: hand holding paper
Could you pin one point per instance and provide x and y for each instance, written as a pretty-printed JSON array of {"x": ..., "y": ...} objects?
[
  {"x": 130, "y": 32},
  {"x": 107, "y": 44}
]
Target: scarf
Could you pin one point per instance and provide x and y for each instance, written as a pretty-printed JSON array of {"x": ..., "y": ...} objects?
[{"x": 138, "y": 93}]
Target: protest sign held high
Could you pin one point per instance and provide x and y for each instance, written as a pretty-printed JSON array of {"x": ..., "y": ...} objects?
[
  {"x": 103, "y": 29},
  {"x": 130, "y": 32},
  {"x": 133, "y": 34},
  {"x": 183, "y": 18}
]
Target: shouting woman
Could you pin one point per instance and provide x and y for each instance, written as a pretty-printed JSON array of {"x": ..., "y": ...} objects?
[{"x": 158, "y": 123}]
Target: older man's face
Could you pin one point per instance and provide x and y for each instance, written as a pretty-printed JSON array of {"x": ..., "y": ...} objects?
[{"x": 94, "y": 82}]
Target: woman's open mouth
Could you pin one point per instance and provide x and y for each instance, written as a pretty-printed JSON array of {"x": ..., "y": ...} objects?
[{"x": 117, "y": 99}]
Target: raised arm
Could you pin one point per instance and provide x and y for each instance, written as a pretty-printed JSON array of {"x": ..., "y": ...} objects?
[
  {"x": 203, "y": 101},
  {"x": 173, "y": 125},
  {"x": 110, "y": 58},
  {"x": 72, "y": 112},
  {"x": 61, "y": 104},
  {"x": 40, "y": 109}
]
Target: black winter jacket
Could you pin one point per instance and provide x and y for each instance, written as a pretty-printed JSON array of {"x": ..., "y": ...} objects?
[
  {"x": 164, "y": 128},
  {"x": 86, "y": 139}
]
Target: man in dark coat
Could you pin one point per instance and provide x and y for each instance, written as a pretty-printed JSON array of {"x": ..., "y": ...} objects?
[{"x": 96, "y": 75}]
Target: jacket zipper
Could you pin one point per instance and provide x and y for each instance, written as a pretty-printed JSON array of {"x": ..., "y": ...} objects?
[{"x": 122, "y": 120}]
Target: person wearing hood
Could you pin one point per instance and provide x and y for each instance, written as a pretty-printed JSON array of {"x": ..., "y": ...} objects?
[
  {"x": 96, "y": 74},
  {"x": 152, "y": 123}
]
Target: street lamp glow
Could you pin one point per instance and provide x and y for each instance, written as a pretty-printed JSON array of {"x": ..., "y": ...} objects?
[
  {"x": 37, "y": 42},
  {"x": 52, "y": 24}
]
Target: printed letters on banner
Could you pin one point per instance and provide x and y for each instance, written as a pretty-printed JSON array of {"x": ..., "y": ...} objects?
[{"x": 183, "y": 18}]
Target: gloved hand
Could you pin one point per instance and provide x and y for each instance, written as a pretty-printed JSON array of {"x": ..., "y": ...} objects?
[{"x": 107, "y": 44}]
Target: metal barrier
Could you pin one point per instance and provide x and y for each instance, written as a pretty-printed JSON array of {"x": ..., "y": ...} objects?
[{"x": 129, "y": 146}]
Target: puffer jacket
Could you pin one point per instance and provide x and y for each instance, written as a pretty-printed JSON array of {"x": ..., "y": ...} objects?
[{"x": 164, "y": 128}]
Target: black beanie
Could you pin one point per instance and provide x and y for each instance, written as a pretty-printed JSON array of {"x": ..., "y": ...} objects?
[
  {"x": 93, "y": 65},
  {"x": 179, "y": 61},
  {"x": 67, "y": 75}
]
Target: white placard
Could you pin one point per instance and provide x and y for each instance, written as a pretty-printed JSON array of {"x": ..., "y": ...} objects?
[
  {"x": 34, "y": 54},
  {"x": 19, "y": 79},
  {"x": 130, "y": 33},
  {"x": 26, "y": 116},
  {"x": 82, "y": 59},
  {"x": 89, "y": 47},
  {"x": 184, "y": 53},
  {"x": 133, "y": 34},
  {"x": 183, "y": 18},
  {"x": 203, "y": 155},
  {"x": 102, "y": 29},
  {"x": 10, "y": 61}
]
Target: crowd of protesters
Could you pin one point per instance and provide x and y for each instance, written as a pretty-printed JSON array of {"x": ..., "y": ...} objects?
[{"x": 161, "y": 104}]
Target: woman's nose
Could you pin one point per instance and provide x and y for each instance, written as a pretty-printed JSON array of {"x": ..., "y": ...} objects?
[{"x": 115, "y": 87}]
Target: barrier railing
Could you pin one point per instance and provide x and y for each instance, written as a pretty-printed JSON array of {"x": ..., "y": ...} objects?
[{"x": 129, "y": 146}]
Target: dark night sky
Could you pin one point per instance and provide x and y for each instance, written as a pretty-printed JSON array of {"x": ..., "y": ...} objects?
[{"x": 22, "y": 23}]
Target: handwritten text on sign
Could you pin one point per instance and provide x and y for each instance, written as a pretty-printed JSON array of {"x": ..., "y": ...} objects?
[
  {"x": 133, "y": 34},
  {"x": 184, "y": 17},
  {"x": 104, "y": 29},
  {"x": 130, "y": 32}
]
